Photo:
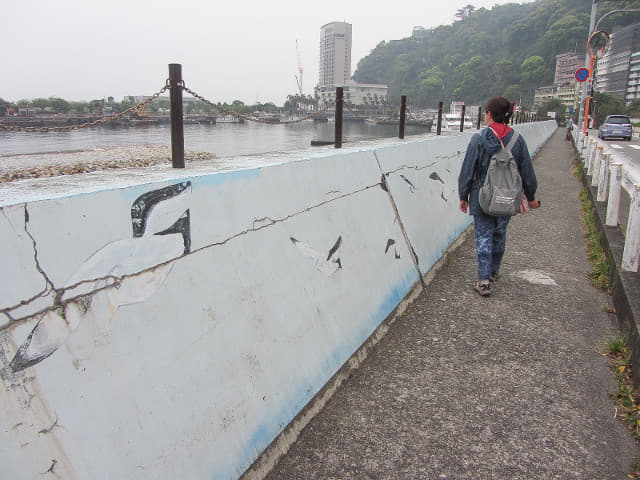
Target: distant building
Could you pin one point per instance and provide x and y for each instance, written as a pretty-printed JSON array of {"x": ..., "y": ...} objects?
[
  {"x": 568, "y": 94},
  {"x": 335, "y": 54},
  {"x": 618, "y": 71},
  {"x": 135, "y": 98},
  {"x": 335, "y": 69},
  {"x": 419, "y": 32},
  {"x": 566, "y": 66},
  {"x": 565, "y": 87},
  {"x": 356, "y": 93}
]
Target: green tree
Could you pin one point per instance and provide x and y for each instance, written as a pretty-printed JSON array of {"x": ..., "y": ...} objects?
[
  {"x": 4, "y": 106},
  {"x": 59, "y": 105},
  {"x": 430, "y": 86},
  {"x": 465, "y": 12},
  {"x": 605, "y": 104},
  {"x": 553, "y": 105},
  {"x": 634, "y": 109},
  {"x": 533, "y": 71}
]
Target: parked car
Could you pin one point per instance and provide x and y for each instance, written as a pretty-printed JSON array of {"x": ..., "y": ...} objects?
[{"x": 616, "y": 126}]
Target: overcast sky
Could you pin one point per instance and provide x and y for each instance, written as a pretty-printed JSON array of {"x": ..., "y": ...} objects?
[{"x": 231, "y": 49}]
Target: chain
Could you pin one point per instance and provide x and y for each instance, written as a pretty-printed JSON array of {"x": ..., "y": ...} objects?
[
  {"x": 355, "y": 114},
  {"x": 101, "y": 121},
  {"x": 250, "y": 118}
]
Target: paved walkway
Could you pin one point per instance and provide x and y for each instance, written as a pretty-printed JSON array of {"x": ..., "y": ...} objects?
[{"x": 506, "y": 387}]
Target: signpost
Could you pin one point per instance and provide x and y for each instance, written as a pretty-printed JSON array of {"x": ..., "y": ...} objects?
[
  {"x": 582, "y": 75},
  {"x": 597, "y": 46}
]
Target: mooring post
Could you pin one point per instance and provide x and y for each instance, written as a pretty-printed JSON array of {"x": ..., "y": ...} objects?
[
  {"x": 177, "y": 126},
  {"x": 339, "y": 105},
  {"x": 479, "y": 115},
  {"x": 403, "y": 112},
  {"x": 462, "y": 118},
  {"x": 439, "y": 125}
]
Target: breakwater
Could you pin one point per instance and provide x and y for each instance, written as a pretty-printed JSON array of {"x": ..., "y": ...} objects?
[{"x": 173, "y": 323}]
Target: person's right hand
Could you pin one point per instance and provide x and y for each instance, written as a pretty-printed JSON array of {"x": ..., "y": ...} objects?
[
  {"x": 534, "y": 204},
  {"x": 464, "y": 206}
]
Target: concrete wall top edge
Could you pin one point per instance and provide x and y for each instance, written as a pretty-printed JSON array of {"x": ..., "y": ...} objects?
[{"x": 33, "y": 190}]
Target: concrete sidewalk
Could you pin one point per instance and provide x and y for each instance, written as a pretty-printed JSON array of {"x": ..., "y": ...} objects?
[{"x": 506, "y": 387}]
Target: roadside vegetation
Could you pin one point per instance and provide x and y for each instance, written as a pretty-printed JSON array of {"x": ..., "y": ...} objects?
[
  {"x": 626, "y": 398},
  {"x": 598, "y": 257}
]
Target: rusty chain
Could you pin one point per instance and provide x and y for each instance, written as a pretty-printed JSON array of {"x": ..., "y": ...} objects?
[
  {"x": 95, "y": 123},
  {"x": 250, "y": 118},
  {"x": 355, "y": 114},
  {"x": 140, "y": 106}
]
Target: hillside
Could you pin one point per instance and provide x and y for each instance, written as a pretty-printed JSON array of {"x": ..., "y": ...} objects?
[{"x": 510, "y": 49}]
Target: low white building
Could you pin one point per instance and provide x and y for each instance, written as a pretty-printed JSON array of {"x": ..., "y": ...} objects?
[{"x": 358, "y": 94}]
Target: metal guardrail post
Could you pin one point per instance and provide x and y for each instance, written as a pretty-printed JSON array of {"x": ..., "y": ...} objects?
[
  {"x": 603, "y": 182},
  {"x": 615, "y": 186},
  {"x": 338, "y": 126},
  {"x": 177, "y": 125},
  {"x": 631, "y": 252},
  {"x": 439, "y": 125},
  {"x": 595, "y": 167},
  {"x": 462, "y": 118},
  {"x": 479, "y": 115},
  {"x": 403, "y": 112}
]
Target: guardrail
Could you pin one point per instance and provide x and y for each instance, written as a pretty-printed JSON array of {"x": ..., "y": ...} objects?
[{"x": 612, "y": 173}]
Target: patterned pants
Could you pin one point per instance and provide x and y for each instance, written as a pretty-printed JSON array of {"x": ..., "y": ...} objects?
[{"x": 491, "y": 235}]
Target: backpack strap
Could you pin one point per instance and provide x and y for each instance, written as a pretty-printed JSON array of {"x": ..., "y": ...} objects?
[
  {"x": 512, "y": 142},
  {"x": 497, "y": 136}
]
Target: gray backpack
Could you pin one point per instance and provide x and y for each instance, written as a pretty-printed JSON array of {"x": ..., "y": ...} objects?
[{"x": 501, "y": 193}]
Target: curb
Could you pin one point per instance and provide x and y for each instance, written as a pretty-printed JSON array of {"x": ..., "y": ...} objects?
[{"x": 624, "y": 286}]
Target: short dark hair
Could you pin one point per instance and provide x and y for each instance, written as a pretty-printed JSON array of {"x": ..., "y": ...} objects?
[{"x": 500, "y": 108}]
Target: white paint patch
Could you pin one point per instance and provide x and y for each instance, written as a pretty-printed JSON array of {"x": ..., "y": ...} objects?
[
  {"x": 616, "y": 146},
  {"x": 635, "y": 147},
  {"x": 536, "y": 276}
]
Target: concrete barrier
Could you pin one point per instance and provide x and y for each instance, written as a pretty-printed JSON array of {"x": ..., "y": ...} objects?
[{"x": 173, "y": 323}]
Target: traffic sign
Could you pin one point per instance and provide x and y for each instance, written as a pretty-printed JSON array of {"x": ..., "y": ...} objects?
[{"x": 582, "y": 74}]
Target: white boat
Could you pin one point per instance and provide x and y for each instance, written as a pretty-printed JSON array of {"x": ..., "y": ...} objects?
[{"x": 452, "y": 122}]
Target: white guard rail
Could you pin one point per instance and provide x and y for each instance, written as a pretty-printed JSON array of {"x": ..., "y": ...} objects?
[{"x": 611, "y": 172}]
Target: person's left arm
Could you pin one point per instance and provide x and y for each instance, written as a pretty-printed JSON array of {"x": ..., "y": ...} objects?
[{"x": 527, "y": 173}]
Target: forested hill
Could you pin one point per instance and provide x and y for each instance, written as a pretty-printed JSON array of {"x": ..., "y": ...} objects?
[{"x": 508, "y": 50}]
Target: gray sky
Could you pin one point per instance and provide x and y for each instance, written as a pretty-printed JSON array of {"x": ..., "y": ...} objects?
[{"x": 231, "y": 49}]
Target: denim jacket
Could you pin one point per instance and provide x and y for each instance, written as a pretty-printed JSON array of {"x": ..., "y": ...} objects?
[{"x": 481, "y": 147}]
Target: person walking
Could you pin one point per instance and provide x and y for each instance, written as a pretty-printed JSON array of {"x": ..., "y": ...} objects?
[
  {"x": 490, "y": 231},
  {"x": 569, "y": 128}
]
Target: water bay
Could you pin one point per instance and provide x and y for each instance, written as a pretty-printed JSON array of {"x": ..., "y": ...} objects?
[{"x": 222, "y": 140}]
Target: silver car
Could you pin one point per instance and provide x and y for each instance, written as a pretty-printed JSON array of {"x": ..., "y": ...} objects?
[{"x": 618, "y": 126}]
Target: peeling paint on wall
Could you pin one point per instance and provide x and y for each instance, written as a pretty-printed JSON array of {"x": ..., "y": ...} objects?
[
  {"x": 328, "y": 265},
  {"x": 123, "y": 272}
]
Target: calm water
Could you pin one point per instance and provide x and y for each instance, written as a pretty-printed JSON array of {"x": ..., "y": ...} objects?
[{"x": 222, "y": 140}]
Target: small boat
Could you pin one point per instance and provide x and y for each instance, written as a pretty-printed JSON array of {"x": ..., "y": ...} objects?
[
  {"x": 229, "y": 119},
  {"x": 452, "y": 122}
]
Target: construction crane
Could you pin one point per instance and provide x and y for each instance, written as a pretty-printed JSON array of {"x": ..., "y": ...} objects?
[{"x": 300, "y": 70}]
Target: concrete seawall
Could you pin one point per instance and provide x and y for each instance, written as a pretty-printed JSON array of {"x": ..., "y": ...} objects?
[{"x": 172, "y": 323}]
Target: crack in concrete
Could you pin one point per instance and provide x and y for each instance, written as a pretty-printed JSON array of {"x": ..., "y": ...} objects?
[
  {"x": 35, "y": 249},
  {"x": 412, "y": 252},
  {"x": 44, "y": 431},
  {"x": 59, "y": 303}
]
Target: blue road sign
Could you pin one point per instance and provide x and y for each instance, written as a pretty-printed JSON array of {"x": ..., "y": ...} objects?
[{"x": 582, "y": 74}]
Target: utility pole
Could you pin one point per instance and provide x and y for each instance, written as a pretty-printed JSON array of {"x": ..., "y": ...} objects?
[{"x": 587, "y": 63}]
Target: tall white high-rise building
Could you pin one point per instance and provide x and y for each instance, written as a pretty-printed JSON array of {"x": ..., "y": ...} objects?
[{"x": 335, "y": 54}]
